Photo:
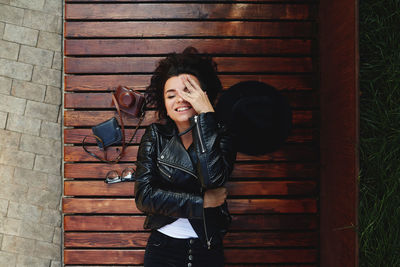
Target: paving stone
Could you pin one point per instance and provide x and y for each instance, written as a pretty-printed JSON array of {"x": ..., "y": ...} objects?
[
  {"x": 3, "y": 208},
  {"x": 30, "y": 178},
  {"x": 12, "y": 104},
  {"x": 47, "y": 164},
  {"x": 53, "y": 95},
  {"x": 47, "y": 250},
  {"x": 2, "y": 25},
  {"x": 42, "y": 111},
  {"x": 51, "y": 217},
  {"x": 21, "y": 35},
  {"x": 6, "y": 174},
  {"x": 24, "y": 212},
  {"x": 28, "y": 90},
  {"x": 7, "y": 259},
  {"x": 5, "y": 85},
  {"x": 3, "y": 119},
  {"x": 39, "y": 145},
  {"x": 53, "y": 7},
  {"x": 54, "y": 183},
  {"x": 29, "y": 261},
  {"x": 18, "y": 245},
  {"x": 31, "y": 4},
  {"x": 36, "y": 231},
  {"x": 11, "y": 14},
  {"x": 57, "y": 61},
  {"x": 10, "y": 226},
  {"x": 55, "y": 264},
  {"x": 8, "y": 50},
  {"x": 15, "y": 70},
  {"x": 46, "y": 76},
  {"x": 23, "y": 124},
  {"x": 50, "y": 41},
  {"x": 36, "y": 56},
  {"x": 9, "y": 139},
  {"x": 11, "y": 156},
  {"x": 50, "y": 130},
  {"x": 41, "y": 21},
  {"x": 13, "y": 192},
  {"x": 43, "y": 198},
  {"x": 57, "y": 235}
]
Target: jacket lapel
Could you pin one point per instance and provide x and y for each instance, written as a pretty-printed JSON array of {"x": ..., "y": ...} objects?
[{"x": 174, "y": 153}]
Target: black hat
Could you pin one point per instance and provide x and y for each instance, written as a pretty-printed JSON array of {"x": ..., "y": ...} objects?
[{"x": 258, "y": 116}]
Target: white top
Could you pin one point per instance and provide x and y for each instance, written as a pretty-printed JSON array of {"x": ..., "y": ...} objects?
[{"x": 180, "y": 228}]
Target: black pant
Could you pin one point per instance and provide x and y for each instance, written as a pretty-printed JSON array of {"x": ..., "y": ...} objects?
[{"x": 163, "y": 251}]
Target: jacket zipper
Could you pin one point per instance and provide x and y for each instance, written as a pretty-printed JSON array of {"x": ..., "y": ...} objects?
[
  {"x": 169, "y": 176},
  {"x": 174, "y": 166},
  {"x": 205, "y": 228},
  {"x": 198, "y": 133}
]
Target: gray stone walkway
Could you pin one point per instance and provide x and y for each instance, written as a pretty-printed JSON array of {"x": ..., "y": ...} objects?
[{"x": 30, "y": 132}]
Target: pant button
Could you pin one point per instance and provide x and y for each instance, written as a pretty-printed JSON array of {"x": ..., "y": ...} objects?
[
  {"x": 189, "y": 264},
  {"x": 190, "y": 257}
]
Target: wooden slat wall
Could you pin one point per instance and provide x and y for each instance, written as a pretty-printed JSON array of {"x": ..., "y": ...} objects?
[{"x": 273, "y": 198}]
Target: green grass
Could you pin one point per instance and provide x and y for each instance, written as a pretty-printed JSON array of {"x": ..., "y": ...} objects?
[{"x": 379, "y": 208}]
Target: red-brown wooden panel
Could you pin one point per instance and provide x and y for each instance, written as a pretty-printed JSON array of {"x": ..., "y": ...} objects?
[
  {"x": 247, "y": 170},
  {"x": 187, "y": 11},
  {"x": 258, "y": 222},
  {"x": 286, "y": 153},
  {"x": 133, "y": 1},
  {"x": 164, "y": 46},
  {"x": 299, "y": 135},
  {"x": 225, "y": 64},
  {"x": 233, "y": 239},
  {"x": 95, "y": 256},
  {"x": 236, "y": 206},
  {"x": 99, "y": 188},
  {"x": 294, "y": 29},
  {"x": 301, "y": 118},
  {"x": 301, "y": 99},
  {"x": 140, "y": 82}
]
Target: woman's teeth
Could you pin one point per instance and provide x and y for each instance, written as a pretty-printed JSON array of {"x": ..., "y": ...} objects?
[{"x": 182, "y": 109}]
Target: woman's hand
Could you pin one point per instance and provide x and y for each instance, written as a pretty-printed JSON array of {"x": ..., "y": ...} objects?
[
  {"x": 195, "y": 95},
  {"x": 215, "y": 197}
]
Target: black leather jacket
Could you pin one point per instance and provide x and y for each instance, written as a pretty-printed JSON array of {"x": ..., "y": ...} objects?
[{"x": 169, "y": 185}]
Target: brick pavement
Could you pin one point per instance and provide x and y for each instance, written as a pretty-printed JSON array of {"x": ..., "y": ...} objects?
[{"x": 30, "y": 132}]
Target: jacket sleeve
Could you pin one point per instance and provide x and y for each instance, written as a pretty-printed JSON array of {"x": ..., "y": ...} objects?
[
  {"x": 149, "y": 197},
  {"x": 214, "y": 148}
]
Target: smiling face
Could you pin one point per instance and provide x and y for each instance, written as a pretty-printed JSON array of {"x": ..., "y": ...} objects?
[{"x": 178, "y": 109}]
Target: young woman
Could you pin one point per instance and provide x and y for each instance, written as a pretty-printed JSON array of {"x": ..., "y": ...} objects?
[{"x": 183, "y": 164}]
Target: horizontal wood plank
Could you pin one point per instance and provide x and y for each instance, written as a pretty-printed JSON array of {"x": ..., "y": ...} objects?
[
  {"x": 301, "y": 99},
  {"x": 134, "y": 1},
  {"x": 236, "y": 206},
  {"x": 149, "y": 11},
  {"x": 298, "y": 135},
  {"x": 96, "y": 256},
  {"x": 300, "y": 118},
  {"x": 140, "y": 82},
  {"x": 245, "y": 170},
  {"x": 294, "y": 29},
  {"x": 225, "y": 64},
  {"x": 285, "y": 153},
  {"x": 121, "y": 47},
  {"x": 232, "y": 239},
  {"x": 99, "y": 188},
  {"x": 253, "y": 222}
]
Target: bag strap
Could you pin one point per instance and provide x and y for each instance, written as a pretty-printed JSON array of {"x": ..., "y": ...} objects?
[{"x": 124, "y": 144}]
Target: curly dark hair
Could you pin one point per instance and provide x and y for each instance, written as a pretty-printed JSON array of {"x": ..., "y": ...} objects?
[{"x": 188, "y": 62}]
